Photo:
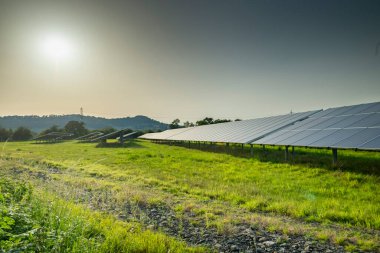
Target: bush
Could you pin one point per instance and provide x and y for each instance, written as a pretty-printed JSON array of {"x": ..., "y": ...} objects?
[{"x": 22, "y": 134}]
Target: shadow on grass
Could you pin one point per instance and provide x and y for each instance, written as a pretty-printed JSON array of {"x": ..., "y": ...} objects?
[
  {"x": 363, "y": 162},
  {"x": 47, "y": 142},
  {"x": 126, "y": 144}
]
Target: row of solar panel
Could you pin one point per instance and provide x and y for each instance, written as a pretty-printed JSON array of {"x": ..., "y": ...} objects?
[{"x": 356, "y": 126}]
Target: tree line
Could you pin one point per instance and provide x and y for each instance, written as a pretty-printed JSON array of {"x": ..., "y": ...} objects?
[
  {"x": 75, "y": 128},
  {"x": 206, "y": 121}
]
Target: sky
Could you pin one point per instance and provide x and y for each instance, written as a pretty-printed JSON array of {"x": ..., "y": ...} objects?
[{"x": 187, "y": 59}]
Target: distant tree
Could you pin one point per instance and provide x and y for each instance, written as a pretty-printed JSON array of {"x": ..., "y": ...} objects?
[
  {"x": 188, "y": 124},
  {"x": 237, "y": 119},
  {"x": 22, "y": 134},
  {"x": 108, "y": 130},
  {"x": 175, "y": 124},
  {"x": 209, "y": 121},
  {"x": 5, "y": 134},
  {"x": 76, "y": 128},
  {"x": 205, "y": 121},
  {"x": 52, "y": 129},
  {"x": 220, "y": 121}
]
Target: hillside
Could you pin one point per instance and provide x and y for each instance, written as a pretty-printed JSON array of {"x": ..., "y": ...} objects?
[{"x": 39, "y": 123}]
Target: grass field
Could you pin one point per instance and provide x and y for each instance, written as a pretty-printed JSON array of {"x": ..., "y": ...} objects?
[{"x": 310, "y": 197}]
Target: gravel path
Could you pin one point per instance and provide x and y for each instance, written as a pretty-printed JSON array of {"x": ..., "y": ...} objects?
[{"x": 245, "y": 238}]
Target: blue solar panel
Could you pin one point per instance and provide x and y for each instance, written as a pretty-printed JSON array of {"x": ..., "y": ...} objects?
[{"x": 356, "y": 126}]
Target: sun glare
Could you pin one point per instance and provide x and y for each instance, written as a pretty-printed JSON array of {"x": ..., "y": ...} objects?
[{"x": 57, "y": 48}]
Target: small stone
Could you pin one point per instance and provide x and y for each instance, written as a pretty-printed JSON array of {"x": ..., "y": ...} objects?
[
  {"x": 150, "y": 227},
  {"x": 261, "y": 239},
  {"x": 247, "y": 231},
  {"x": 218, "y": 246},
  {"x": 269, "y": 243},
  {"x": 234, "y": 247}
]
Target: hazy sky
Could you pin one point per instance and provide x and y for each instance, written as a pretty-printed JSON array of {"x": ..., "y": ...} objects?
[{"x": 187, "y": 59}]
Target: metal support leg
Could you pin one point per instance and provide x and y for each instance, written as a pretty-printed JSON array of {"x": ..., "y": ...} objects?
[
  {"x": 251, "y": 149},
  {"x": 286, "y": 153},
  {"x": 335, "y": 156},
  {"x": 293, "y": 153}
]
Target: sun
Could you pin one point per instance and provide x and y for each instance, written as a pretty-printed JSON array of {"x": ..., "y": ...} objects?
[{"x": 57, "y": 47}]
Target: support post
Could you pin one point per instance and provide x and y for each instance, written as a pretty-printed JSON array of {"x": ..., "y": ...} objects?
[
  {"x": 286, "y": 153},
  {"x": 335, "y": 156},
  {"x": 251, "y": 149},
  {"x": 293, "y": 153}
]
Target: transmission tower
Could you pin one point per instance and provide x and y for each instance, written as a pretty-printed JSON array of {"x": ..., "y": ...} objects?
[{"x": 81, "y": 113}]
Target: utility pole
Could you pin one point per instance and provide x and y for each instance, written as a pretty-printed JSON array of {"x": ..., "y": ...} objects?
[{"x": 81, "y": 113}]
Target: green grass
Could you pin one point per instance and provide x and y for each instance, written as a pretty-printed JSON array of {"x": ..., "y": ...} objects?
[
  {"x": 309, "y": 190},
  {"x": 36, "y": 221}
]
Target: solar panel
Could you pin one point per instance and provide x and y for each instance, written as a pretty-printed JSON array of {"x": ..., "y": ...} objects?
[
  {"x": 356, "y": 126},
  {"x": 244, "y": 131},
  {"x": 165, "y": 134},
  {"x": 372, "y": 144},
  {"x": 356, "y": 141},
  {"x": 112, "y": 135}
]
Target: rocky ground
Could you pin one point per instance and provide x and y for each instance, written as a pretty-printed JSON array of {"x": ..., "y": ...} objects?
[{"x": 244, "y": 237}]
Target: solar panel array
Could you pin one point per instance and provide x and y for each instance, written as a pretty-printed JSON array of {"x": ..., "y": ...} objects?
[
  {"x": 244, "y": 131},
  {"x": 355, "y": 126},
  {"x": 112, "y": 135},
  {"x": 165, "y": 134}
]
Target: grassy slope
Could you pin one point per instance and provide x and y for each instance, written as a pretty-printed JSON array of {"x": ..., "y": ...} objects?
[{"x": 312, "y": 193}]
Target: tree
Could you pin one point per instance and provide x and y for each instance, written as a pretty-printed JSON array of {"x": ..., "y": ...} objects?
[
  {"x": 5, "y": 134},
  {"x": 76, "y": 128},
  {"x": 220, "y": 121},
  {"x": 188, "y": 124},
  {"x": 22, "y": 134},
  {"x": 52, "y": 129},
  {"x": 108, "y": 130},
  {"x": 205, "y": 121},
  {"x": 175, "y": 124},
  {"x": 209, "y": 121}
]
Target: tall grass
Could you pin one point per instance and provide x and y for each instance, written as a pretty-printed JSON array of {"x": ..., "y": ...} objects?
[
  {"x": 308, "y": 190},
  {"x": 40, "y": 222},
  {"x": 301, "y": 191}
]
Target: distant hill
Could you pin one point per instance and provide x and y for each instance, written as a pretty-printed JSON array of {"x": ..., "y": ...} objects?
[{"x": 39, "y": 123}]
